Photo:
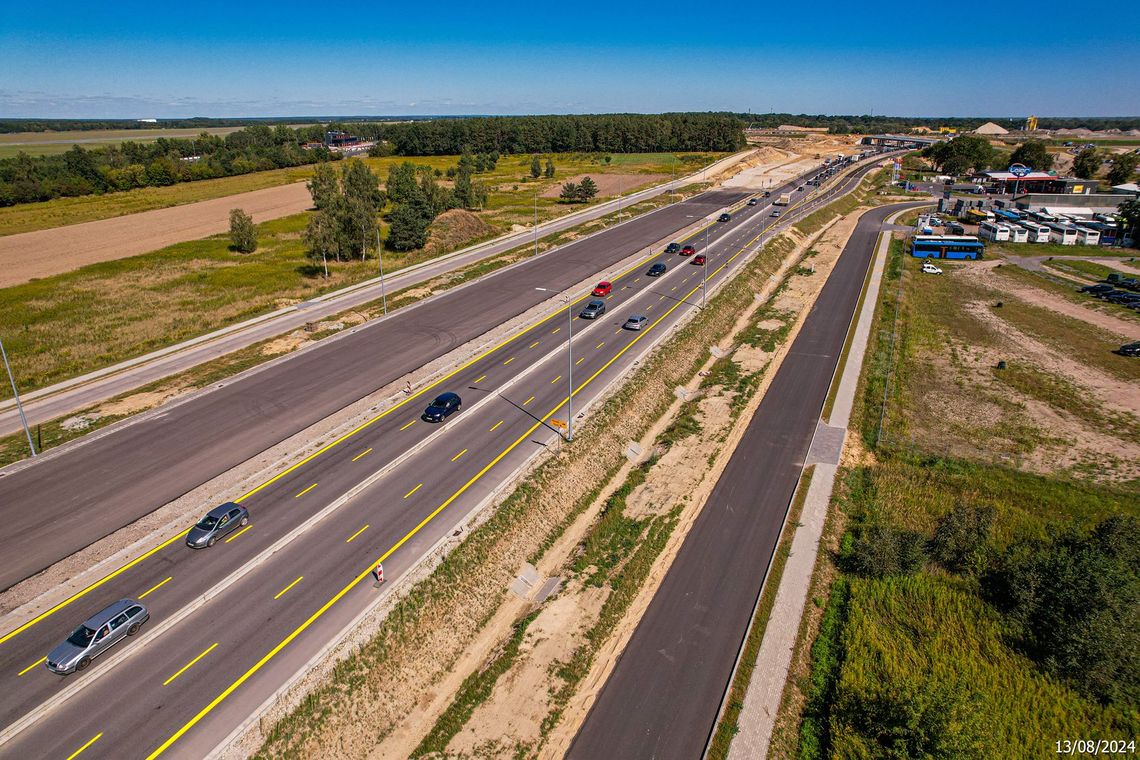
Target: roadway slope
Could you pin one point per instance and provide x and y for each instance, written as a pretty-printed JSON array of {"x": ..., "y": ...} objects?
[{"x": 663, "y": 696}]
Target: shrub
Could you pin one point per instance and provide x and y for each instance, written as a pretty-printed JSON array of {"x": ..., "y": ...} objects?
[
  {"x": 878, "y": 550},
  {"x": 959, "y": 542},
  {"x": 243, "y": 233}
]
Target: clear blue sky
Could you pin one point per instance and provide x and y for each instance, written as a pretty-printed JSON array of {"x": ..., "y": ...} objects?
[{"x": 252, "y": 58}]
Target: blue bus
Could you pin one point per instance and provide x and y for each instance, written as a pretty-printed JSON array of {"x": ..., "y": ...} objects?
[
  {"x": 1007, "y": 215},
  {"x": 947, "y": 247}
]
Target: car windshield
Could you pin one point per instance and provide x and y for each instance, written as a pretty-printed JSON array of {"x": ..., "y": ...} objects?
[
  {"x": 207, "y": 523},
  {"x": 81, "y": 636},
  {"x": 441, "y": 401}
]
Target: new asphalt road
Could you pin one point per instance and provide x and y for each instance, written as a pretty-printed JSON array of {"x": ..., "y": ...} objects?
[
  {"x": 662, "y": 698},
  {"x": 230, "y": 624}
]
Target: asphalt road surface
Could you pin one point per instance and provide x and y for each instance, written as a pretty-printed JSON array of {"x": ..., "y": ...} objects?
[
  {"x": 232, "y": 623},
  {"x": 70, "y": 500},
  {"x": 662, "y": 698}
]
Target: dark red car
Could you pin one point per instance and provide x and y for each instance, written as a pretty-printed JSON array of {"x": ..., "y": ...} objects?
[
  {"x": 688, "y": 250},
  {"x": 699, "y": 260},
  {"x": 603, "y": 288}
]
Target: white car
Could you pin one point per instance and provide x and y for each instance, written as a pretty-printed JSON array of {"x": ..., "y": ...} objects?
[{"x": 929, "y": 268}]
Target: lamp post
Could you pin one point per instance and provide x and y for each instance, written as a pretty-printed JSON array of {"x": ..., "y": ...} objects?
[
  {"x": 569, "y": 365},
  {"x": 16, "y": 393},
  {"x": 380, "y": 258},
  {"x": 536, "y": 221}
]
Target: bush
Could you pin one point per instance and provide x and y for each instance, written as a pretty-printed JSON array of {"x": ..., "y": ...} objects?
[
  {"x": 877, "y": 550},
  {"x": 1076, "y": 600},
  {"x": 959, "y": 542}
]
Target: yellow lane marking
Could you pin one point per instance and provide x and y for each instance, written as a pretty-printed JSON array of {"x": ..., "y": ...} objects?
[
  {"x": 363, "y": 453},
  {"x": 92, "y": 587},
  {"x": 310, "y": 488},
  {"x": 91, "y": 741},
  {"x": 37, "y": 662},
  {"x": 524, "y": 404},
  {"x": 480, "y": 379},
  {"x": 579, "y": 361},
  {"x": 155, "y": 587},
  {"x": 532, "y": 345},
  {"x": 600, "y": 344},
  {"x": 281, "y": 593},
  {"x": 459, "y": 455},
  {"x": 555, "y": 380},
  {"x": 354, "y": 535},
  {"x": 421, "y": 485},
  {"x": 243, "y": 530},
  {"x": 367, "y": 572},
  {"x": 508, "y": 361},
  {"x": 190, "y": 664},
  {"x": 367, "y": 423},
  {"x": 500, "y": 422}
]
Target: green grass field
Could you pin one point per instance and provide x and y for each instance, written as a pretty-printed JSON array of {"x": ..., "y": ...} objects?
[
  {"x": 50, "y": 143},
  {"x": 511, "y": 171}
]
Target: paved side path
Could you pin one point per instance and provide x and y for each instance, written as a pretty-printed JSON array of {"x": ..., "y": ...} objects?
[
  {"x": 762, "y": 701},
  {"x": 81, "y": 392}
]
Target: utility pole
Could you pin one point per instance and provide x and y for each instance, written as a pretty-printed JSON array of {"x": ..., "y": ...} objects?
[
  {"x": 380, "y": 258},
  {"x": 569, "y": 364},
  {"x": 536, "y": 222},
  {"x": 16, "y": 393},
  {"x": 705, "y": 266}
]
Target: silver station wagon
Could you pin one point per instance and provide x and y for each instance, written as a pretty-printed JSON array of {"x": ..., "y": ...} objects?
[{"x": 98, "y": 633}]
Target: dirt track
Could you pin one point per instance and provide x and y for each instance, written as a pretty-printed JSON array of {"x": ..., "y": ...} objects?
[{"x": 46, "y": 252}]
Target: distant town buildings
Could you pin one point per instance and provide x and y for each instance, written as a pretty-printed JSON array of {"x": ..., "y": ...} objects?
[{"x": 342, "y": 142}]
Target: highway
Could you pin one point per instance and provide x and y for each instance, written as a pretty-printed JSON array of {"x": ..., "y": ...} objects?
[
  {"x": 85, "y": 493},
  {"x": 662, "y": 699},
  {"x": 230, "y": 624}
]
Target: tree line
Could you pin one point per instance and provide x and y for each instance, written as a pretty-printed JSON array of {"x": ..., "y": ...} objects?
[
  {"x": 609, "y": 133},
  {"x": 867, "y": 124},
  {"x": 167, "y": 161}
]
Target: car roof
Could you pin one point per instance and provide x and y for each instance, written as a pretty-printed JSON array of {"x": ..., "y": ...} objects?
[
  {"x": 604, "y": 282},
  {"x": 448, "y": 395},
  {"x": 221, "y": 510},
  {"x": 596, "y": 302},
  {"x": 638, "y": 317},
  {"x": 112, "y": 611}
]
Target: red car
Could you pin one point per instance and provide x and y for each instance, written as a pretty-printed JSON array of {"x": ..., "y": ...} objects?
[
  {"x": 698, "y": 260},
  {"x": 688, "y": 250},
  {"x": 603, "y": 288}
]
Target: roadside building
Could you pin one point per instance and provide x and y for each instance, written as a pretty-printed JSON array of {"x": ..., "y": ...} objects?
[
  {"x": 1004, "y": 182},
  {"x": 1128, "y": 188}
]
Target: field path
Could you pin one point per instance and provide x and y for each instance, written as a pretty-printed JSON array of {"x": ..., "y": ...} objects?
[{"x": 29, "y": 255}]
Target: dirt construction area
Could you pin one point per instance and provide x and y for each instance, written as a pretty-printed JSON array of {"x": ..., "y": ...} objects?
[
  {"x": 609, "y": 184},
  {"x": 31, "y": 255}
]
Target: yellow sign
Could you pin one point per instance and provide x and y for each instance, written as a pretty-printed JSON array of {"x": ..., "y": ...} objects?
[
  {"x": 1078, "y": 188},
  {"x": 558, "y": 424}
]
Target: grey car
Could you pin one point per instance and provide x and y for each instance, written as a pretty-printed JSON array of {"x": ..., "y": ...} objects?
[
  {"x": 218, "y": 523},
  {"x": 635, "y": 322},
  {"x": 593, "y": 310},
  {"x": 98, "y": 633}
]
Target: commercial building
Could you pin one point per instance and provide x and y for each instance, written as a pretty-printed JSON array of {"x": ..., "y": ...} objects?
[{"x": 1003, "y": 183}]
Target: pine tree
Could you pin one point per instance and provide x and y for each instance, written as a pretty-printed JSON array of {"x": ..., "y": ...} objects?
[
  {"x": 549, "y": 173},
  {"x": 588, "y": 189},
  {"x": 569, "y": 194},
  {"x": 535, "y": 167}
]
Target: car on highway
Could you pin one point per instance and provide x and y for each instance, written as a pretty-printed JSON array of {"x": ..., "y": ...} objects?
[
  {"x": 724, "y": 218},
  {"x": 767, "y": 193},
  {"x": 217, "y": 523},
  {"x": 699, "y": 260},
  {"x": 688, "y": 250},
  {"x": 775, "y": 212},
  {"x": 98, "y": 633},
  {"x": 656, "y": 270},
  {"x": 445, "y": 405},
  {"x": 593, "y": 310},
  {"x": 1129, "y": 349},
  {"x": 800, "y": 189},
  {"x": 673, "y": 248},
  {"x": 752, "y": 201},
  {"x": 929, "y": 268},
  {"x": 635, "y": 322},
  {"x": 603, "y": 288}
]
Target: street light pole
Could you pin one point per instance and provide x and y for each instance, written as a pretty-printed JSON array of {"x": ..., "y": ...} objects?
[
  {"x": 380, "y": 258},
  {"x": 569, "y": 365},
  {"x": 536, "y": 222},
  {"x": 16, "y": 393},
  {"x": 705, "y": 267}
]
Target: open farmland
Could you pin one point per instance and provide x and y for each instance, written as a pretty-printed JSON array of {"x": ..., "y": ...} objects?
[{"x": 47, "y": 143}]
